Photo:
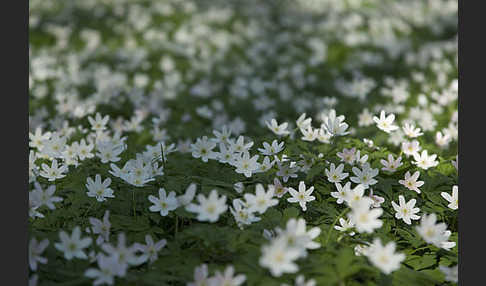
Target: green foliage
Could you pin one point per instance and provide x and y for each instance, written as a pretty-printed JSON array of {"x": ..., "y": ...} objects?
[{"x": 191, "y": 243}]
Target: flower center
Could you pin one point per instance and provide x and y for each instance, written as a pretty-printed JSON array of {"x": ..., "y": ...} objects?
[
  {"x": 211, "y": 209},
  {"x": 72, "y": 246},
  {"x": 430, "y": 232}
]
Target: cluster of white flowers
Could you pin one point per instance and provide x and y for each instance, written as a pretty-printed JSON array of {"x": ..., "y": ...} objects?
[
  {"x": 227, "y": 278},
  {"x": 138, "y": 172},
  {"x": 287, "y": 246},
  {"x": 228, "y": 81}
]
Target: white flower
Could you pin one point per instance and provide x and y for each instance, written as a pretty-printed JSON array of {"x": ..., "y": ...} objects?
[
  {"x": 223, "y": 136},
  {"x": 384, "y": 256},
  {"x": 430, "y": 231},
  {"x": 201, "y": 277},
  {"x": 453, "y": 199},
  {"x": 377, "y": 200},
  {"x": 309, "y": 134},
  {"x": 369, "y": 142},
  {"x": 84, "y": 150},
  {"x": 302, "y": 197},
  {"x": 323, "y": 136},
  {"x": 163, "y": 203},
  {"x": 269, "y": 234},
  {"x": 347, "y": 155},
  {"x": 364, "y": 176},
  {"x": 138, "y": 180},
  {"x": 99, "y": 189},
  {"x": 210, "y": 208},
  {"x": 342, "y": 191},
  {"x": 246, "y": 165},
  {"x": 261, "y": 201},
  {"x": 226, "y": 154},
  {"x": 269, "y": 150},
  {"x": 424, "y": 161},
  {"x": 356, "y": 195},
  {"x": 100, "y": 227},
  {"x": 54, "y": 146},
  {"x": 300, "y": 281},
  {"x": 35, "y": 250},
  {"x": 227, "y": 278},
  {"x": 365, "y": 118},
  {"x": 335, "y": 175},
  {"x": 242, "y": 214},
  {"x": 54, "y": 171},
  {"x": 239, "y": 146},
  {"x": 447, "y": 245},
  {"x": 32, "y": 166},
  {"x": 278, "y": 189},
  {"x": 442, "y": 140},
  {"x": 188, "y": 196},
  {"x": 411, "y": 182},
  {"x": 203, "y": 149},
  {"x": 45, "y": 197},
  {"x": 108, "y": 268},
  {"x": 98, "y": 123},
  {"x": 335, "y": 126},
  {"x": 155, "y": 170},
  {"x": 238, "y": 187},
  {"x": 406, "y": 210},
  {"x": 124, "y": 255},
  {"x": 287, "y": 170},
  {"x": 73, "y": 245},
  {"x": 391, "y": 165},
  {"x": 265, "y": 165},
  {"x": 451, "y": 273},
  {"x": 302, "y": 122},
  {"x": 36, "y": 139},
  {"x": 120, "y": 173},
  {"x": 345, "y": 226},
  {"x": 151, "y": 249},
  {"x": 280, "y": 130},
  {"x": 411, "y": 131},
  {"x": 298, "y": 237},
  {"x": 361, "y": 249},
  {"x": 364, "y": 218},
  {"x": 396, "y": 138},
  {"x": 108, "y": 152},
  {"x": 361, "y": 160},
  {"x": 385, "y": 123},
  {"x": 410, "y": 148},
  {"x": 279, "y": 258},
  {"x": 33, "y": 206}
]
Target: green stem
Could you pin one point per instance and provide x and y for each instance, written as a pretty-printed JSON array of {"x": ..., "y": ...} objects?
[
  {"x": 92, "y": 204},
  {"x": 163, "y": 156},
  {"x": 133, "y": 204},
  {"x": 332, "y": 226},
  {"x": 421, "y": 248}
]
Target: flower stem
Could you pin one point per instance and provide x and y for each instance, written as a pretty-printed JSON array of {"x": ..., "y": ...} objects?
[
  {"x": 421, "y": 248},
  {"x": 133, "y": 204},
  {"x": 333, "y": 224},
  {"x": 87, "y": 210}
]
